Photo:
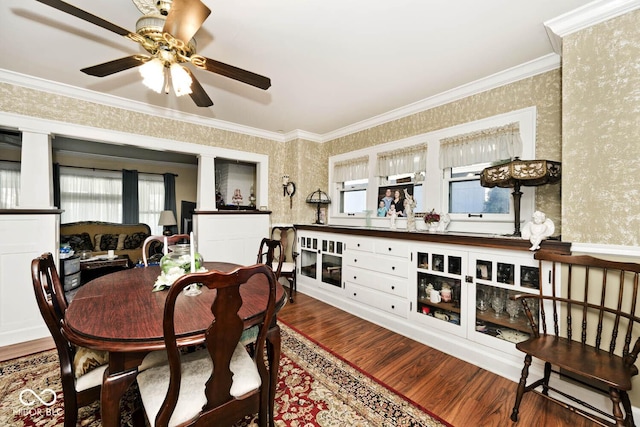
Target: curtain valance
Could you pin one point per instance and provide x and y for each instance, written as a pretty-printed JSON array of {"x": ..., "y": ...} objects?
[
  {"x": 483, "y": 146},
  {"x": 405, "y": 160},
  {"x": 352, "y": 169}
]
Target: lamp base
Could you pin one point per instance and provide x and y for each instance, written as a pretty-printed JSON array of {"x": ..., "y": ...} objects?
[{"x": 167, "y": 231}]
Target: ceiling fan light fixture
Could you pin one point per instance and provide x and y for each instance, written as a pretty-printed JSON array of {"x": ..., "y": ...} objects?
[
  {"x": 152, "y": 73},
  {"x": 180, "y": 79}
]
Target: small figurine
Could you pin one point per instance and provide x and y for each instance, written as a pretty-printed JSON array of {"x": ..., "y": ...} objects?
[
  {"x": 444, "y": 222},
  {"x": 538, "y": 230},
  {"x": 393, "y": 215},
  {"x": 409, "y": 205}
]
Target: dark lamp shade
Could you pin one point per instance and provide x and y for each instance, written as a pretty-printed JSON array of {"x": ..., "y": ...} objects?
[{"x": 529, "y": 173}]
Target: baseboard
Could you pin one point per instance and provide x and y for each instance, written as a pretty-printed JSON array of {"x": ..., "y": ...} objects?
[{"x": 26, "y": 348}]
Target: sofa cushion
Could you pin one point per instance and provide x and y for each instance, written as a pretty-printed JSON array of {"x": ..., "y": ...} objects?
[
  {"x": 87, "y": 359},
  {"x": 78, "y": 242},
  {"x": 135, "y": 240},
  {"x": 105, "y": 242}
]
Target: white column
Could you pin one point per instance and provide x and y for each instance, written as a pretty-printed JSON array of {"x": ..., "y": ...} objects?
[
  {"x": 36, "y": 171},
  {"x": 206, "y": 184}
]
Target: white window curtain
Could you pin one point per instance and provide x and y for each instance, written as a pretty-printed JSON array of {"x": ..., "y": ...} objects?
[
  {"x": 483, "y": 146},
  {"x": 9, "y": 184},
  {"x": 151, "y": 200},
  {"x": 90, "y": 195},
  {"x": 405, "y": 160},
  {"x": 352, "y": 169}
]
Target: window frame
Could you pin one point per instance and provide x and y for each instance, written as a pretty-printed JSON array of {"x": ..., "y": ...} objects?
[{"x": 435, "y": 191}]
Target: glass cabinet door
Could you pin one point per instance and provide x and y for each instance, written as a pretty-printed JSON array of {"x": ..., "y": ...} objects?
[
  {"x": 309, "y": 257},
  {"x": 497, "y": 279},
  {"x": 440, "y": 288},
  {"x": 332, "y": 262}
]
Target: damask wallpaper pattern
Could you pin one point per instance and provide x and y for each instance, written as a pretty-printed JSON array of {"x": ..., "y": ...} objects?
[{"x": 601, "y": 133}]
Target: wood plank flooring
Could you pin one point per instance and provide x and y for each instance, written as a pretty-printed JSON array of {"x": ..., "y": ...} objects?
[{"x": 458, "y": 392}]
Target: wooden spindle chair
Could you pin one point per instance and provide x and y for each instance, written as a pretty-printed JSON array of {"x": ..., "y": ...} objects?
[{"x": 586, "y": 331}]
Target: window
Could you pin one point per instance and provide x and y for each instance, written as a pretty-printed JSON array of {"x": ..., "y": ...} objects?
[
  {"x": 90, "y": 195},
  {"x": 150, "y": 200},
  {"x": 353, "y": 196},
  {"x": 467, "y": 197},
  {"x": 9, "y": 184}
]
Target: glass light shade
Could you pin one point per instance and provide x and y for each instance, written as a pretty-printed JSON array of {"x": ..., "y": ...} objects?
[
  {"x": 152, "y": 73},
  {"x": 180, "y": 79}
]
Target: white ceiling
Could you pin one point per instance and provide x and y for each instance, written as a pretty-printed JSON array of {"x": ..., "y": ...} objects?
[{"x": 332, "y": 63}]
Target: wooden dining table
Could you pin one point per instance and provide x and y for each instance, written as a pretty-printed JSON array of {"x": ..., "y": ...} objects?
[{"x": 119, "y": 313}]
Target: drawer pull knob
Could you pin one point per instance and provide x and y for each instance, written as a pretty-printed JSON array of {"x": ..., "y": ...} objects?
[
  {"x": 393, "y": 268},
  {"x": 389, "y": 249},
  {"x": 393, "y": 307},
  {"x": 354, "y": 294},
  {"x": 358, "y": 244},
  {"x": 355, "y": 277},
  {"x": 355, "y": 260},
  {"x": 393, "y": 287}
]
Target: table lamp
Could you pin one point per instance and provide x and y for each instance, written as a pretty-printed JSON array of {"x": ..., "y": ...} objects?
[
  {"x": 516, "y": 173},
  {"x": 167, "y": 219},
  {"x": 320, "y": 198}
]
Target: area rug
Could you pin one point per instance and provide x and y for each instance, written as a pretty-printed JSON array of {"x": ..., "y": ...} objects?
[{"x": 315, "y": 388}]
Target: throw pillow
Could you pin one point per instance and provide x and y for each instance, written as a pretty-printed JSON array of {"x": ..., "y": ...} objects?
[
  {"x": 78, "y": 242},
  {"x": 120, "y": 244},
  {"x": 87, "y": 359},
  {"x": 135, "y": 240},
  {"x": 105, "y": 242}
]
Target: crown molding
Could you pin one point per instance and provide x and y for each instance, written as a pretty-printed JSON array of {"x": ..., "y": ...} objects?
[
  {"x": 528, "y": 69},
  {"x": 537, "y": 66},
  {"x": 62, "y": 89},
  {"x": 584, "y": 17}
]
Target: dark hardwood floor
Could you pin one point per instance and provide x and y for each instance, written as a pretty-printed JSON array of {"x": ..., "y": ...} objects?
[{"x": 458, "y": 392}]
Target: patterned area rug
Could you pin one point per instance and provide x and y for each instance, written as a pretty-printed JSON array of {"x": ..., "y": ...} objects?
[{"x": 315, "y": 388}]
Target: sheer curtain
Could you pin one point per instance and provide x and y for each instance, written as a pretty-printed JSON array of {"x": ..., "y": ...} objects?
[
  {"x": 352, "y": 169},
  {"x": 9, "y": 184},
  {"x": 483, "y": 146},
  {"x": 90, "y": 195},
  {"x": 150, "y": 200},
  {"x": 405, "y": 160}
]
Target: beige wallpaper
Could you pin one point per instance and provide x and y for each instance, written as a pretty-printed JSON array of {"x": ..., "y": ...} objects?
[{"x": 601, "y": 133}]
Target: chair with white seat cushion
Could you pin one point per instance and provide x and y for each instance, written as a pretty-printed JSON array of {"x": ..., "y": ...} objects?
[
  {"x": 221, "y": 383},
  {"x": 80, "y": 369},
  {"x": 288, "y": 255}
]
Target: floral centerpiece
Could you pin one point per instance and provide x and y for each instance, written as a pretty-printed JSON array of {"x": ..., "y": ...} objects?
[
  {"x": 176, "y": 264},
  {"x": 432, "y": 217}
]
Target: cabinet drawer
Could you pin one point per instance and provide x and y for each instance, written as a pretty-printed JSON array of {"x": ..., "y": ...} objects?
[
  {"x": 71, "y": 281},
  {"x": 389, "y": 284},
  {"x": 360, "y": 244},
  {"x": 71, "y": 265},
  {"x": 388, "y": 265},
  {"x": 377, "y": 300},
  {"x": 393, "y": 248}
]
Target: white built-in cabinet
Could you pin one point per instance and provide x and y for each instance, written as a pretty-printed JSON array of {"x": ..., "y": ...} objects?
[{"x": 387, "y": 278}]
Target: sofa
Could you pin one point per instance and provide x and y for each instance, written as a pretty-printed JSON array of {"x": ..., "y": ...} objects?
[{"x": 99, "y": 237}]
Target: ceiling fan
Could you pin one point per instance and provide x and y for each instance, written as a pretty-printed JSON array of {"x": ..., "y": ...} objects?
[{"x": 166, "y": 33}]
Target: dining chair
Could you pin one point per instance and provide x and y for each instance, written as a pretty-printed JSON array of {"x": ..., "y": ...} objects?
[
  {"x": 220, "y": 384},
  {"x": 171, "y": 240},
  {"x": 288, "y": 239},
  {"x": 267, "y": 255},
  {"x": 85, "y": 389},
  {"x": 599, "y": 299}
]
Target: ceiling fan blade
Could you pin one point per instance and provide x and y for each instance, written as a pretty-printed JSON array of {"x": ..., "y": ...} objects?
[
  {"x": 236, "y": 73},
  {"x": 185, "y": 18},
  {"x": 115, "y": 66},
  {"x": 86, "y": 16},
  {"x": 198, "y": 93}
]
